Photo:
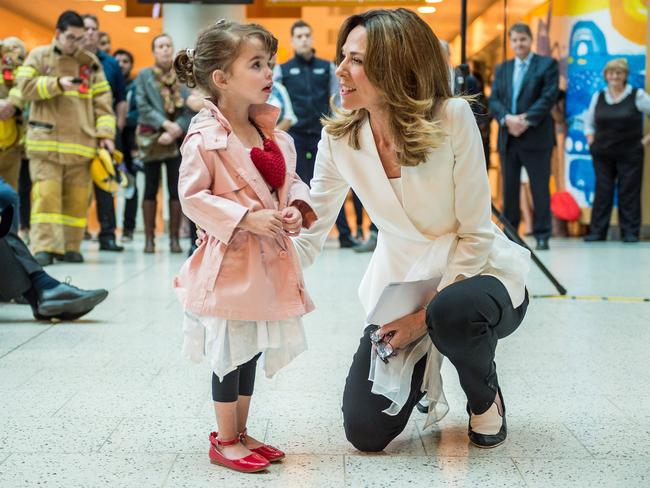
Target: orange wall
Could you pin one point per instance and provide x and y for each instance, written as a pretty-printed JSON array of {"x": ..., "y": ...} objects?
[{"x": 31, "y": 33}]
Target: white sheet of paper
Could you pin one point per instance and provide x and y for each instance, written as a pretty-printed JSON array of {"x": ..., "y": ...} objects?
[{"x": 402, "y": 298}]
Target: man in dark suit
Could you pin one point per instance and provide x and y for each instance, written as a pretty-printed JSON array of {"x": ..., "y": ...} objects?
[{"x": 524, "y": 91}]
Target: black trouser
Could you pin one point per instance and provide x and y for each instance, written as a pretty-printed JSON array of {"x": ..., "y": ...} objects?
[
  {"x": 236, "y": 383},
  {"x": 627, "y": 168},
  {"x": 306, "y": 149},
  {"x": 465, "y": 320},
  {"x": 16, "y": 262},
  {"x": 25, "y": 193},
  {"x": 152, "y": 172},
  {"x": 538, "y": 166},
  {"x": 130, "y": 204}
]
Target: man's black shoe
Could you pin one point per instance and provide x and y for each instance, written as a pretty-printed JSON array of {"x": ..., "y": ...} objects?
[
  {"x": 70, "y": 257},
  {"x": 594, "y": 238},
  {"x": 630, "y": 238},
  {"x": 44, "y": 258},
  {"x": 67, "y": 302},
  {"x": 110, "y": 245},
  {"x": 542, "y": 244},
  {"x": 348, "y": 241}
]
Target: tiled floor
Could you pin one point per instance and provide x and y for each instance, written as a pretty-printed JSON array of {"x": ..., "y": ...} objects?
[{"x": 109, "y": 402}]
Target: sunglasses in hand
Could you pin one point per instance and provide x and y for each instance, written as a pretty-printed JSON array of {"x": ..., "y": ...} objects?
[{"x": 381, "y": 344}]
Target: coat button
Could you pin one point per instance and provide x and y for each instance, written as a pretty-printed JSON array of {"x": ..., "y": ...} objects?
[{"x": 283, "y": 254}]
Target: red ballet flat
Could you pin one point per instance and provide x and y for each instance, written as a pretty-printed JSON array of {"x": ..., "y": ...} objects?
[
  {"x": 252, "y": 463},
  {"x": 272, "y": 454}
]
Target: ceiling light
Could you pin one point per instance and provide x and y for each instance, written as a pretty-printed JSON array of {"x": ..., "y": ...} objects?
[
  {"x": 112, "y": 8},
  {"x": 433, "y": 1},
  {"x": 142, "y": 29},
  {"x": 426, "y": 10}
]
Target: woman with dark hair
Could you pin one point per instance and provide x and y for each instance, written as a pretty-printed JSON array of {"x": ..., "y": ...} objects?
[
  {"x": 163, "y": 118},
  {"x": 414, "y": 156}
]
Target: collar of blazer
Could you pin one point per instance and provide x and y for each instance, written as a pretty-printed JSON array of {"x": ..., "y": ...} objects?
[
  {"x": 219, "y": 136},
  {"x": 366, "y": 175}
]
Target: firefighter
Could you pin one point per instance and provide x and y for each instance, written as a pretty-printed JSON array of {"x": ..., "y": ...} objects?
[
  {"x": 70, "y": 115},
  {"x": 12, "y": 55}
]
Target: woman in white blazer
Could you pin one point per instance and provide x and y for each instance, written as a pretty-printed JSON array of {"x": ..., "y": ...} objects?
[{"x": 414, "y": 156}]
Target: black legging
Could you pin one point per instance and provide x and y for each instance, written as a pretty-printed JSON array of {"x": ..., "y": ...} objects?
[
  {"x": 152, "y": 177},
  {"x": 465, "y": 320},
  {"x": 236, "y": 383}
]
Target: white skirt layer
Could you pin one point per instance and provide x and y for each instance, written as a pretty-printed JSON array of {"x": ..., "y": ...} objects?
[{"x": 227, "y": 344}]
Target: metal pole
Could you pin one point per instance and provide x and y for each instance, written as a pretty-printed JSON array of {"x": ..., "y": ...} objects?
[{"x": 463, "y": 31}]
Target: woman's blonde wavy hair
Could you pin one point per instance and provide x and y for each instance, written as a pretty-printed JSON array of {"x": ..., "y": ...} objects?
[{"x": 404, "y": 62}]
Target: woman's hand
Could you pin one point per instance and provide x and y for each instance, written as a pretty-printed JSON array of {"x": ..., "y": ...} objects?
[
  {"x": 590, "y": 139},
  {"x": 646, "y": 139},
  {"x": 291, "y": 220},
  {"x": 267, "y": 223},
  {"x": 406, "y": 330},
  {"x": 175, "y": 130},
  {"x": 165, "y": 139}
]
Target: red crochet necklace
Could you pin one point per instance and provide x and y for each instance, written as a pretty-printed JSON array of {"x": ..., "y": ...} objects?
[{"x": 269, "y": 161}]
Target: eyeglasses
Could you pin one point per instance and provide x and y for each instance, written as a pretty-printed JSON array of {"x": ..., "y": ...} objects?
[
  {"x": 381, "y": 344},
  {"x": 73, "y": 38}
]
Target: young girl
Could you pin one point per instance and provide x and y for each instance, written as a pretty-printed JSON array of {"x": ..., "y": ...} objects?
[{"x": 242, "y": 290}]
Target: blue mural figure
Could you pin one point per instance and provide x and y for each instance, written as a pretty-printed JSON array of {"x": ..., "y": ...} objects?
[{"x": 588, "y": 55}]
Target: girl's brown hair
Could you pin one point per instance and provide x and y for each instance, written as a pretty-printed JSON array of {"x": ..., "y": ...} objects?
[
  {"x": 216, "y": 48},
  {"x": 404, "y": 62}
]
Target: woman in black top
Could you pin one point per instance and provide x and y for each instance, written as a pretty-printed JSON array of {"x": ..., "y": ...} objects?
[{"x": 614, "y": 130}]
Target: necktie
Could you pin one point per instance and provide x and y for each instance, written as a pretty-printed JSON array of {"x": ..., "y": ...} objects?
[{"x": 517, "y": 79}]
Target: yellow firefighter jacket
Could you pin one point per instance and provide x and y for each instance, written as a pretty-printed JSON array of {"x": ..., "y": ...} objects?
[
  {"x": 9, "y": 91},
  {"x": 64, "y": 126}
]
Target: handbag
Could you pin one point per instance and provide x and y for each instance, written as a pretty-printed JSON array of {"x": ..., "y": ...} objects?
[{"x": 149, "y": 149}]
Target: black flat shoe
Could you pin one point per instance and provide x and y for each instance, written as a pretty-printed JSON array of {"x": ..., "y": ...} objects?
[
  {"x": 542, "y": 245},
  {"x": 348, "y": 242},
  {"x": 630, "y": 238},
  {"x": 71, "y": 257},
  {"x": 488, "y": 441},
  {"x": 594, "y": 238},
  {"x": 110, "y": 245},
  {"x": 44, "y": 258}
]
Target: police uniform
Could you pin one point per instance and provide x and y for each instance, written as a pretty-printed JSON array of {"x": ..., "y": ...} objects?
[
  {"x": 62, "y": 135},
  {"x": 10, "y": 129}
]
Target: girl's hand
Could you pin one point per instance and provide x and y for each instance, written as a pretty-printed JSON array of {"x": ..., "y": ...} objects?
[
  {"x": 406, "y": 329},
  {"x": 201, "y": 235},
  {"x": 291, "y": 221},
  {"x": 267, "y": 223}
]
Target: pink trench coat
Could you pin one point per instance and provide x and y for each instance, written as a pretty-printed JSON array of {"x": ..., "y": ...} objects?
[{"x": 235, "y": 274}]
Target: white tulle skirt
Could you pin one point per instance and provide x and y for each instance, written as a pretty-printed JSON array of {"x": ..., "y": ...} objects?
[{"x": 226, "y": 344}]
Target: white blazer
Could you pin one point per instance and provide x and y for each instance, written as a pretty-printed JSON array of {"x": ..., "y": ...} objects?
[{"x": 442, "y": 227}]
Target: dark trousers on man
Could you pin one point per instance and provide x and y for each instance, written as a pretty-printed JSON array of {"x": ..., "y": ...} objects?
[
  {"x": 627, "y": 168},
  {"x": 130, "y": 204},
  {"x": 465, "y": 322},
  {"x": 538, "y": 167},
  {"x": 105, "y": 203},
  {"x": 306, "y": 149}
]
